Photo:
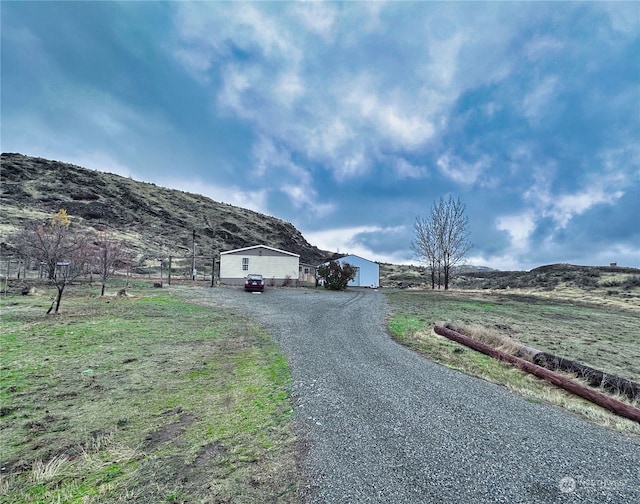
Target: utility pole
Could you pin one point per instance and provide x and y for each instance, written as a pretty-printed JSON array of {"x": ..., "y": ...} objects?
[
  {"x": 213, "y": 268},
  {"x": 193, "y": 261}
]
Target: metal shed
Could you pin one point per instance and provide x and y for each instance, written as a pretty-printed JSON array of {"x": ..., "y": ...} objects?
[{"x": 368, "y": 272}]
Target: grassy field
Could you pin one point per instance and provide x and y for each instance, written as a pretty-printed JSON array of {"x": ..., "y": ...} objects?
[
  {"x": 145, "y": 398},
  {"x": 603, "y": 336},
  {"x": 149, "y": 398}
]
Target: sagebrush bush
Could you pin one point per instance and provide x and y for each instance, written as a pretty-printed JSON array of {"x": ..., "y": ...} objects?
[
  {"x": 631, "y": 282},
  {"x": 586, "y": 281}
]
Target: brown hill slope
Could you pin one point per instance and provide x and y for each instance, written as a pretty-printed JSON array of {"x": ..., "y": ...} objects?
[{"x": 153, "y": 221}]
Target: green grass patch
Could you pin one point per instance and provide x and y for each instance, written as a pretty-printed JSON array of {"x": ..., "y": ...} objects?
[
  {"x": 477, "y": 305},
  {"x": 146, "y": 398},
  {"x": 416, "y": 334},
  {"x": 400, "y": 325}
]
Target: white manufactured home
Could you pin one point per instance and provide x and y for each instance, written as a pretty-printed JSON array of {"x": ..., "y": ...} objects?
[
  {"x": 278, "y": 267},
  {"x": 367, "y": 272}
]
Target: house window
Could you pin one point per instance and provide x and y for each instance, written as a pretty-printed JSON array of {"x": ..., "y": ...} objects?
[
  {"x": 245, "y": 264},
  {"x": 306, "y": 271}
]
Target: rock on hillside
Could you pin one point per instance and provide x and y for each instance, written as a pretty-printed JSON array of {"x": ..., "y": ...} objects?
[{"x": 153, "y": 221}]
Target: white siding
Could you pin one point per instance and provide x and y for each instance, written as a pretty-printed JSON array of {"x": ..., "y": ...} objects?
[
  {"x": 267, "y": 266},
  {"x": 368, "y": 271},
  {"x": 273, "y": 264}
]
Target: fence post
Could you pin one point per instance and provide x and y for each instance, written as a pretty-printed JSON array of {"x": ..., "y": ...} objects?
[{"x": 169, "y": 274}]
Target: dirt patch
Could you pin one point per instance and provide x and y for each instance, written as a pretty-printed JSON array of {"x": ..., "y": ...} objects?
[
  {"x": 14, "y": 466},
  {"x": 6, "y": 410},
  {"x": 208, "y": 453},
  {"x": 204, "y": 466},
  {"x": 170, "y": 433},
  {"x": 66, "y": 395},
  {"x": 40, "y": 426}
]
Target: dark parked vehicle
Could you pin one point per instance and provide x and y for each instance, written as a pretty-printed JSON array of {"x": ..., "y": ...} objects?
[{"x": 254, "y": 283}]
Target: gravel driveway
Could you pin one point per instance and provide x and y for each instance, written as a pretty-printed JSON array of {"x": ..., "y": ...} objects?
[{"x": 384, "y": 425}]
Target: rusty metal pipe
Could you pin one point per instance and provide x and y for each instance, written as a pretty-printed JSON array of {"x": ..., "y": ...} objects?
[
  {"x": 613, "y": 405},
  {"x": 594, "y": 377}
]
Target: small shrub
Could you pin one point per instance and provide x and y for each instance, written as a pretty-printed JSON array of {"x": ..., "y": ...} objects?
[
  {"x": 84, "y": 196},
  {"x": 586, "y": 281},
  {"x": 337, "y": 276},
  {"x": 632, "y": 282}
]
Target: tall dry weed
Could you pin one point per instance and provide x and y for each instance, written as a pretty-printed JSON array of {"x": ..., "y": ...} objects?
[{"x": 42, "y": 472}]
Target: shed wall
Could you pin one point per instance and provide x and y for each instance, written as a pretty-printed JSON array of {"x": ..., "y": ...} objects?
[{"x": 368, "y": 272}]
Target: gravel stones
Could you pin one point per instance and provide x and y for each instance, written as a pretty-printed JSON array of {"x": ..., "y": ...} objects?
[{"x": 382, "y": 424}]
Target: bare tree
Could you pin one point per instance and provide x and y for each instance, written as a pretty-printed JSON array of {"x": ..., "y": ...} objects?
[
  {"x": 425, "y": 246},
  {"x": 44, "y": 242},
  {"x": 442, "y": 239},
  {"x": 109, "y": 255},
  {"x": 56, "y": 245},
  {"x": 454, "y": 234},
  {"x": 67, "y": 271}
]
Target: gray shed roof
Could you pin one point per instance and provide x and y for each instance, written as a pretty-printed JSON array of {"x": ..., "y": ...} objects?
[{"x": 235, "y": 251}]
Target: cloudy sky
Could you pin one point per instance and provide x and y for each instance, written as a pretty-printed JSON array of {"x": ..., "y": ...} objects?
[{"x": 350, "y": 119}]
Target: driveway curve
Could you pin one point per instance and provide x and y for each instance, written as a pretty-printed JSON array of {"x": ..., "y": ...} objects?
[{"x": 385, "y": 425}]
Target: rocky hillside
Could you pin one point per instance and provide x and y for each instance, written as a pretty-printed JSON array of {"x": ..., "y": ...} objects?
[{"x": 152, "y": 221}]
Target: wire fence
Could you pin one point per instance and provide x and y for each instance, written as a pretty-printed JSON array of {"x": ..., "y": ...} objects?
[{"x": 172, "y": 269}]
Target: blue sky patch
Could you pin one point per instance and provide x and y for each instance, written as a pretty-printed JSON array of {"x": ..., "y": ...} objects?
[{"x": 350, "y": 119}]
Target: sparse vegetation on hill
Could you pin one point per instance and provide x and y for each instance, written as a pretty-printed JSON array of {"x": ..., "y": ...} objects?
[
  {"x": 152, "y": 221},
  {"x": 614, "y": 282}
]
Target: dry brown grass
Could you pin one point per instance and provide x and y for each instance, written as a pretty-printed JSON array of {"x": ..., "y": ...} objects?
[{"x": 572, "y": 325}]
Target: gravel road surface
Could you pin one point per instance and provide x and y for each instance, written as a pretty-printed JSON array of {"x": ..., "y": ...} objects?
[{"x": 385, "y": 425}]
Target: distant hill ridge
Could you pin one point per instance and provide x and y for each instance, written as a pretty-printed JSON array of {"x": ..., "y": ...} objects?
[{"x": 153, "y": 221}]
